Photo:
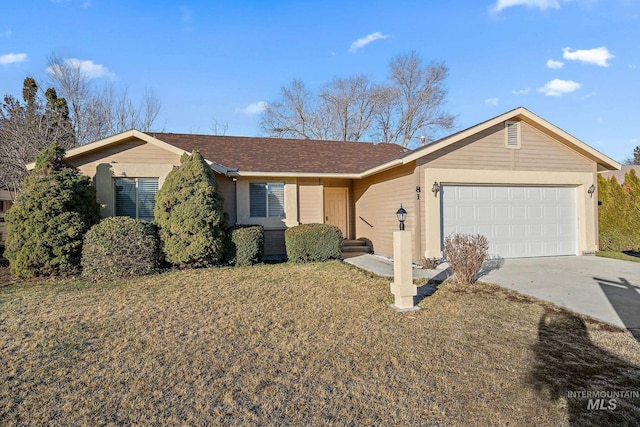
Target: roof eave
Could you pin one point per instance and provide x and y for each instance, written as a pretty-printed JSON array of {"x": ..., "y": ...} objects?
[{"x": 257, "y": 174}]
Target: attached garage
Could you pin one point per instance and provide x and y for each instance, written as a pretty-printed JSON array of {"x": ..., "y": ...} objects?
[{"x": 518, "y": 221}]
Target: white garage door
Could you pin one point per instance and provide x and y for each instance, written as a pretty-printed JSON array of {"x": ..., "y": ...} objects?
[{"x": 518, "y": 221}]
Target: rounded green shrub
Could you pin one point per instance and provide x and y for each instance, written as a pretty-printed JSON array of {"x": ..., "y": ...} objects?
[
  {"x": 246, "y": 245},
  {"x": 189, "y": 213},
  {"x": 51, "y": 214},
  {"x": 313, "y": 242},
  {"x": 120, "y": 247}
]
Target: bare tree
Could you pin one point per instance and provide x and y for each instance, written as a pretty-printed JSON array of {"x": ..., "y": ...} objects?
[
  {"x": 633, "y": 159},
  {"x": 99, "y": 112},
  {"x": 292, "y": 116},
  {"x": 347, "y": 107},
  {"x": 415, "y": 100},
  {"x": 219, "y": 127},
  {"x": 28, "y": 126},
  {"x": 351, "y": 109}
]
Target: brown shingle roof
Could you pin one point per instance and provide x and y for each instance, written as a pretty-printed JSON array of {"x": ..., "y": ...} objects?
[{"x": 258, "y": 154}]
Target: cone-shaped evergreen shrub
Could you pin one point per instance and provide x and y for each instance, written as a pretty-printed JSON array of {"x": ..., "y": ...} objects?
[
  {"x": 52, "y": 212},
  {"x": 120, "y": 247},
  {"x": 190, "y": 215},
  {"x": 619, "y": 213}
]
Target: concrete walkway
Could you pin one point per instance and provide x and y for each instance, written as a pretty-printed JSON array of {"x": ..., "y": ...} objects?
[
  {"x": 603, "y": 288},
  {"x": 384, "y": 267}
]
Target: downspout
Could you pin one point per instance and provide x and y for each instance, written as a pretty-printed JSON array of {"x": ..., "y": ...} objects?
[{"x": 418, "y": 208}]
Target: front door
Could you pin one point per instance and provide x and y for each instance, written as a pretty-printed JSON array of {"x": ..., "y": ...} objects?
[{"x": 335, "y": 208}]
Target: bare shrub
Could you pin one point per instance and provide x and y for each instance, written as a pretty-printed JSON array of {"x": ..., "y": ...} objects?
[
  {"x": 465, "y": 254},
  {"x": 430, "y": 263}
]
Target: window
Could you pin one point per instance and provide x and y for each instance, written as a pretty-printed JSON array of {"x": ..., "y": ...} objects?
[
  {"x": 135, "y": 197},
  {"x": 266, "y": 200},
  {"x": 1, "y": 205}
]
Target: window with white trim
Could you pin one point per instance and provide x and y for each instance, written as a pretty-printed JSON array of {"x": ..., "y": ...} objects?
[
  {"x": 135, "y": 197},
  {"x": 266, "y": 200}
]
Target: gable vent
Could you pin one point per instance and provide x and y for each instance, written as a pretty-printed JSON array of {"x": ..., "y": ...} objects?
[{"x": 512, "y": 134}]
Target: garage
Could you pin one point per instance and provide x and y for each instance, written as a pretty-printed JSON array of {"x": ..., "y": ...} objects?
[{"x": 518, "y": 221}]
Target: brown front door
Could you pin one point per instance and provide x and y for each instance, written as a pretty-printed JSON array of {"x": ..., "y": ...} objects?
[{"x": 335, "y": 208}]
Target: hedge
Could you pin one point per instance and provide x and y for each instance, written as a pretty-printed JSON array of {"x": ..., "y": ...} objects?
[
  {"x": 313, "y": 242},
  {"x": 246, "y": 245},
  {"x": 120, "y": 247}
]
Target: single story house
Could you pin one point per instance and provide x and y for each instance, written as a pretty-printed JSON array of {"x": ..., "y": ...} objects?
[{"x": 525, "y": 184}]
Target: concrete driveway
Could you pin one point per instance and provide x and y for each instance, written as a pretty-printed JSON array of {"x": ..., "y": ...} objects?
[{"x": 604, "y": 288}]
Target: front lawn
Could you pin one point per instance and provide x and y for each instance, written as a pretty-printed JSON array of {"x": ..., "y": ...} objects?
[
  {"x": 625, "y": 256},
  {"x": 297, "y": 345}
]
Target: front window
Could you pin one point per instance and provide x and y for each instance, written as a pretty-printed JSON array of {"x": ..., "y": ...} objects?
[
  {"x": 266, "y": 200},
  {"x": 135, "y": 197}
]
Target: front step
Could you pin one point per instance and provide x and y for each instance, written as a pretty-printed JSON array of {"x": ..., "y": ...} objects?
[{"x": 353, "y": 248}]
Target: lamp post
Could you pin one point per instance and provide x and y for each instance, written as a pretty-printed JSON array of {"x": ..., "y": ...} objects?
[
  {"x": 402, "y": 286},
  {"x": 402, "y": 216}
]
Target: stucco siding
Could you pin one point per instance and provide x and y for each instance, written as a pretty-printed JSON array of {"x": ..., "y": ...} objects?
[{"x": 377, "y": 198}]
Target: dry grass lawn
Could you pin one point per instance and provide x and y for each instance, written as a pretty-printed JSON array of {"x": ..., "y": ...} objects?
[{"x": 297, "y": 345}]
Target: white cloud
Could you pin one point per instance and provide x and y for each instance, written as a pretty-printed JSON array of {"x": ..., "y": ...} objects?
[
  {"x": 12, "y": 58},
  {"x": 362, "y": 42},
  {"x": 521, "y": 91},
  {"x": 540, "y": 4},
  {"x": 253, "y": 109},
  {"x": 557, "y": 87},
  {"x": 554, "y": 64},
  {"x": 90, "y": 69},
  {"x": 491, "y": 101},
  {"x": 598, "y": 56}
]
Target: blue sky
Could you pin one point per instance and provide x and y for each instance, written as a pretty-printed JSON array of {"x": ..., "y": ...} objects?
[{"x": 576, "y": 63}]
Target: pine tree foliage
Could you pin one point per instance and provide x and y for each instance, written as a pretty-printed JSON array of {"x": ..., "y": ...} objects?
[
  {"x": 52, "y": 212},
  {"x": 619, "y": 213},
  {"x": 189, "y": 212}
]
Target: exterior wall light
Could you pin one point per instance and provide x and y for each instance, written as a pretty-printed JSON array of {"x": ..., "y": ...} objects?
[
  {"x": 435, "y": 188},
  {"x": 402, "y": 216},
  {"x": 591, "y": 190}
]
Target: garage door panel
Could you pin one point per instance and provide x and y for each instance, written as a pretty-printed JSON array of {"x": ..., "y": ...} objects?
[{"x": 519, "y": 221}]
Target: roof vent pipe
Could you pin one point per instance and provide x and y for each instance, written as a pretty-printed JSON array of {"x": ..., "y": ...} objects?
[{"x": 422, "y": 139}]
